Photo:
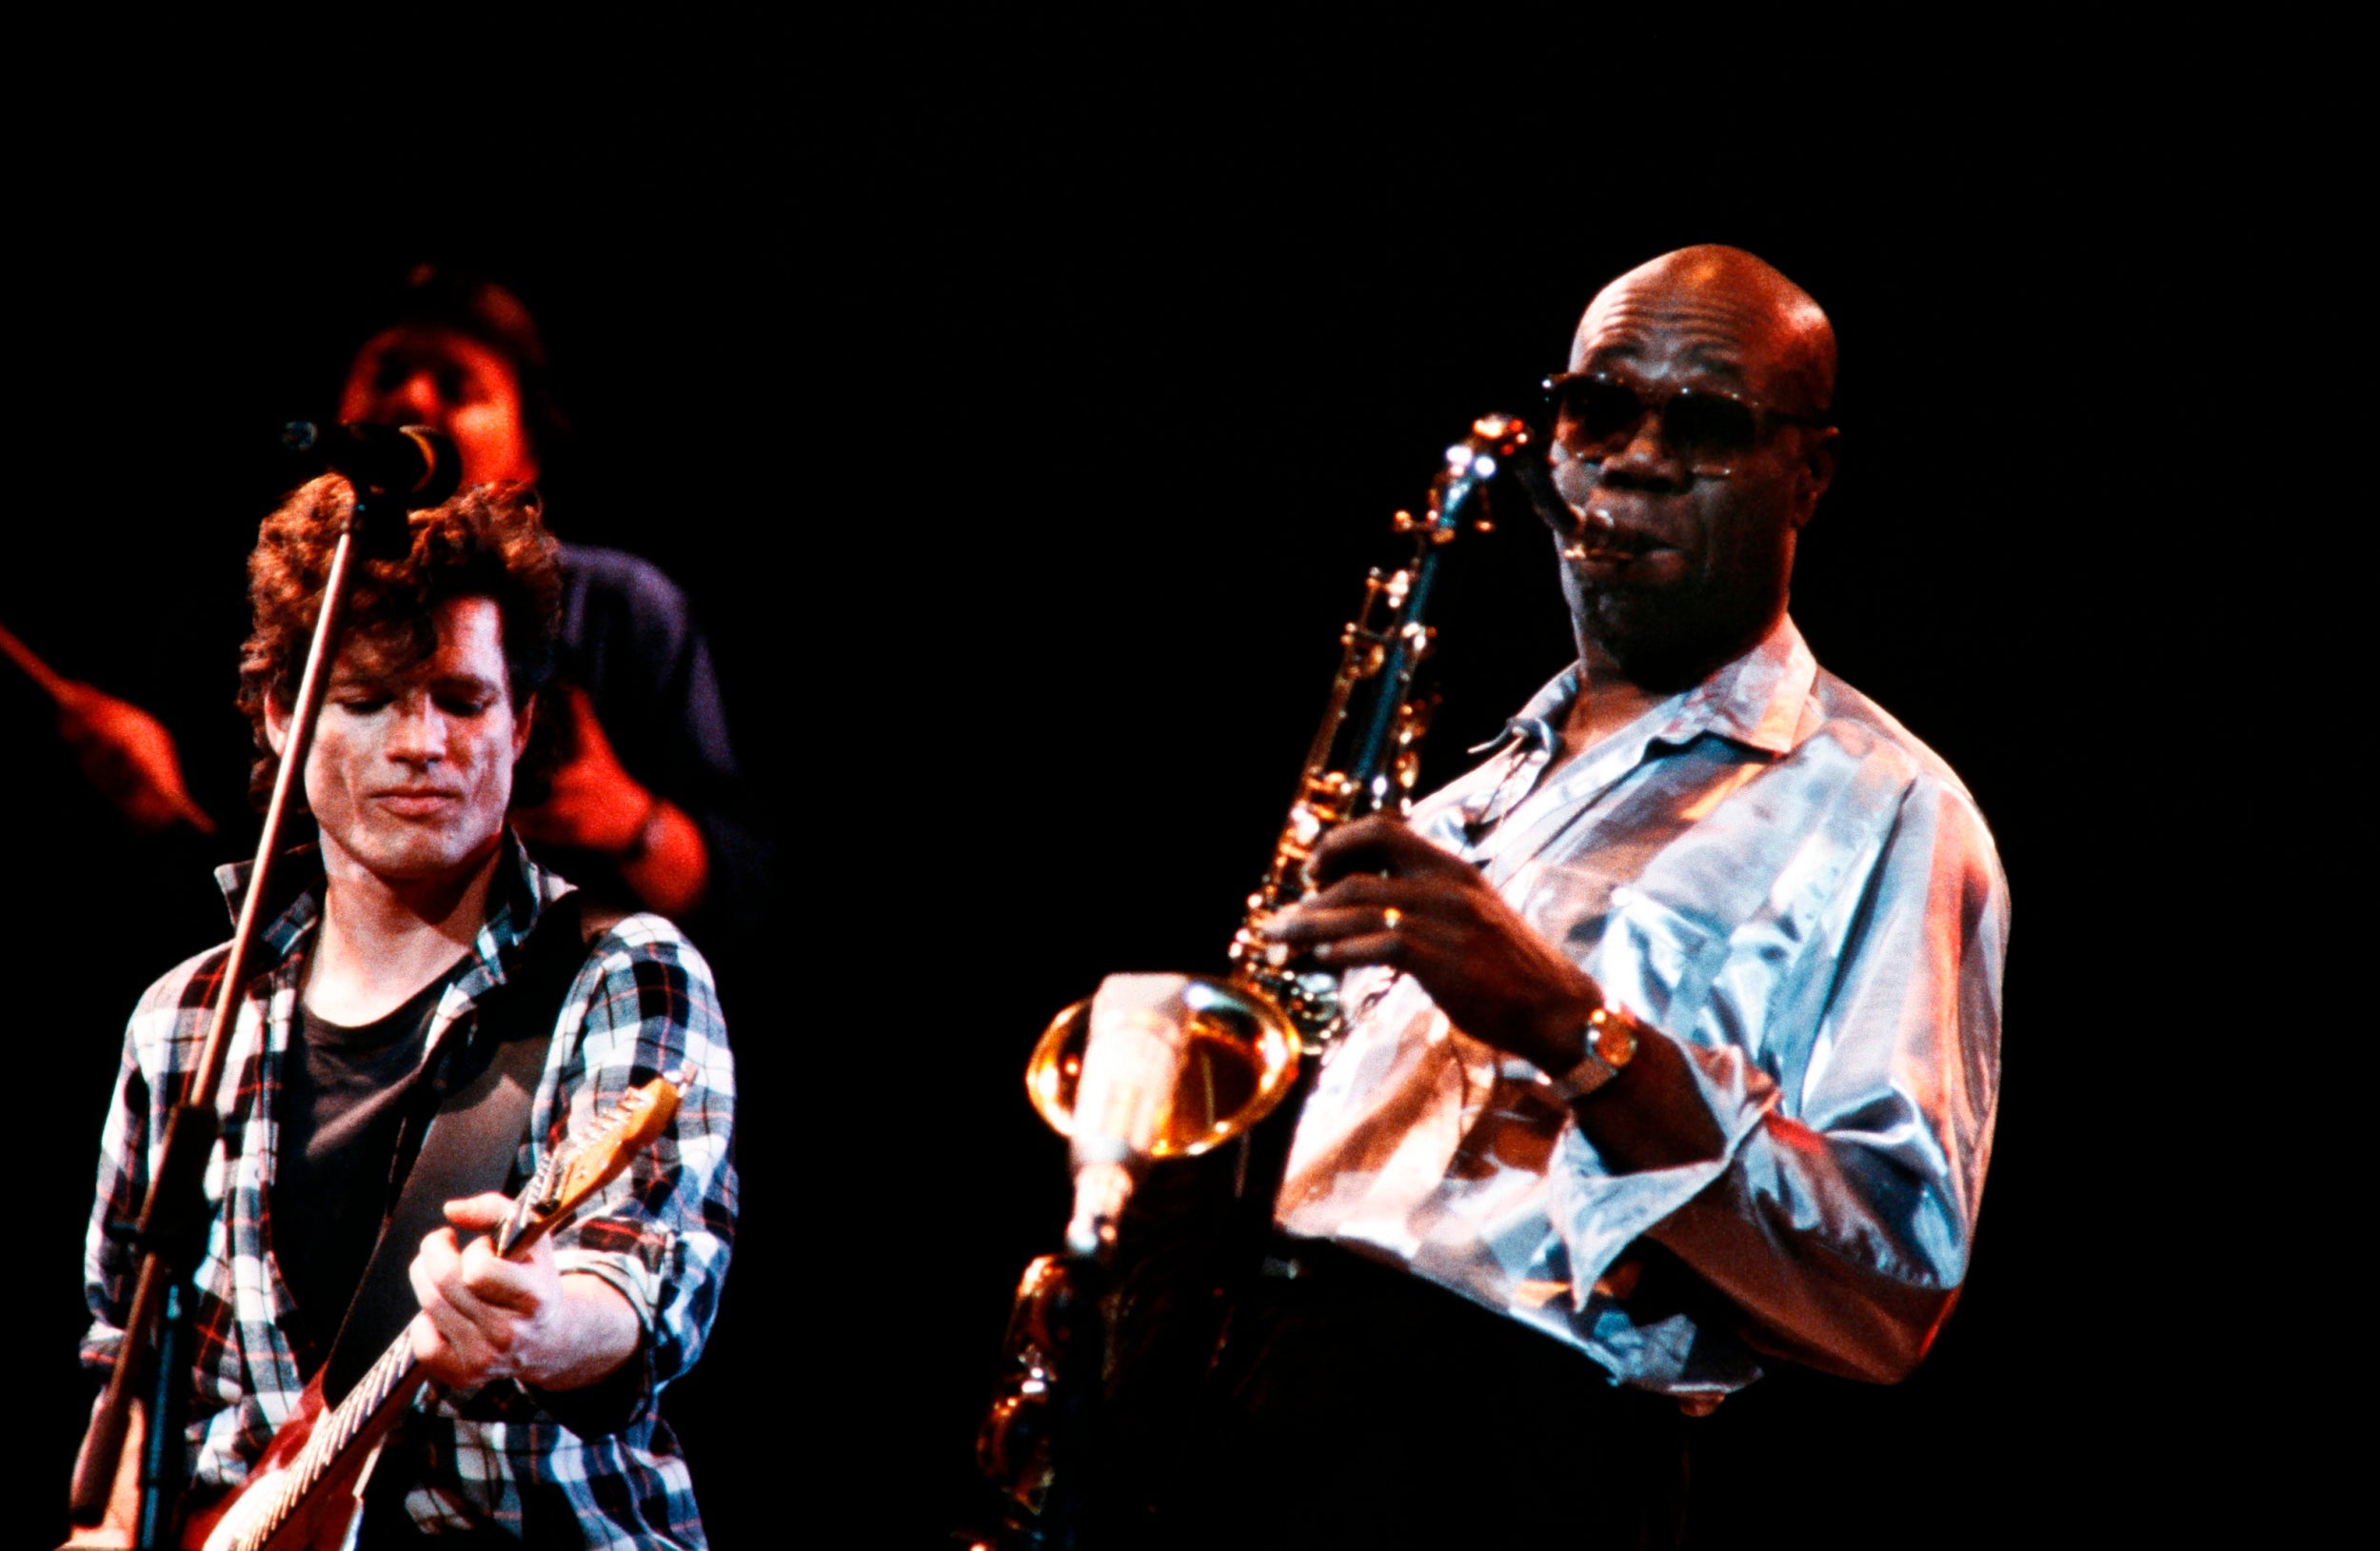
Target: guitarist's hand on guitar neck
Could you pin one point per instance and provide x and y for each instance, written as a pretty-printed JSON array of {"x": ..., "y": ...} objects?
[{"x": 486, "y": 1318}]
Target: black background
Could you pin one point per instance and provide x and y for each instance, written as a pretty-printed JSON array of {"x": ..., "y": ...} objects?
[{"x": 1021, "y": 400}]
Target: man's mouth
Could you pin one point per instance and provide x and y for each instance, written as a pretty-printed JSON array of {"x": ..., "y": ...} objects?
[
  {"x": 1603, "y": 540},
  {"x": 1609, "y": 549},
  {"x": 416, "y": 803}
]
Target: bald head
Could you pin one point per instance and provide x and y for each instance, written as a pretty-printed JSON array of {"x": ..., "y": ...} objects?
[
  {"x": 1677, "y": 518},
  {"x": 1733, "y": 313}
]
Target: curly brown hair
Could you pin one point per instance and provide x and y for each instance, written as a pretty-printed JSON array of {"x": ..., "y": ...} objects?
[{"x": 489, "y": 541}]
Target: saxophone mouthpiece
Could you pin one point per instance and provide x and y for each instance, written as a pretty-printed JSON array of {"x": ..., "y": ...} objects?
[
  {"x": 1605, "y": 544},
  {"x": 1596, "y": 529}
]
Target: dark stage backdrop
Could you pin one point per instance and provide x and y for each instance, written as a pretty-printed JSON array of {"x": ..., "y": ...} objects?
[{"x": 1020, "y": 403}]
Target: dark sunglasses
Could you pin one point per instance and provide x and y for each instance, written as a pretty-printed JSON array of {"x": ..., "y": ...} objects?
[{"x": 1709, "y": 429}]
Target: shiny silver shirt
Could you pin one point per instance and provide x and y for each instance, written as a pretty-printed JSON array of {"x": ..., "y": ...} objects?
[{"x": 1776, "y": 874}]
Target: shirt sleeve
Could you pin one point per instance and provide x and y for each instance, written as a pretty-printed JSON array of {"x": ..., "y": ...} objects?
[
  {"x": 660, "y": 1234},
  {"x": 1841, "y": 1222},
  {"x": 107, "y": 1259},
  {"x": 164, "y": 1031}
]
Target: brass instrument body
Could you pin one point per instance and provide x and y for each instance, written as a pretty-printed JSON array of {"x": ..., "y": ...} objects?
[
  {"x": 1054, "y": 1327},
  {"x": 1244, "y": 1032},
  {"x": 1233, "y": 1043}
]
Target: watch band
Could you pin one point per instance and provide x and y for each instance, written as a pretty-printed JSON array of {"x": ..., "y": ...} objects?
[{"x": 1611, "y": 1044}]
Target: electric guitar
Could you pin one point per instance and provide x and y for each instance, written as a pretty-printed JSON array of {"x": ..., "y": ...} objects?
[{"x": 305, "y": 1492}]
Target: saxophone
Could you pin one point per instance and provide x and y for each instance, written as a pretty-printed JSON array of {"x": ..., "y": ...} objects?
[{"x": 1158, "y": 1067}]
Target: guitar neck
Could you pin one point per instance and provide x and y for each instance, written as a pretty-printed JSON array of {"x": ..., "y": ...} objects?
[{"x": 368, "y": 1413}]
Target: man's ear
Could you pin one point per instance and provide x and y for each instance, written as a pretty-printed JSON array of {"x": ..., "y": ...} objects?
[
  {"x": 521, "y": 725},
  {"x": 276, "y": 724},
  {"x": 1813, "y": 474}
]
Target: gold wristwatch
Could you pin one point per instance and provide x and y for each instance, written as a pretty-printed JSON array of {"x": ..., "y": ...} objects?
[{"x": 1611, "y": 1044}]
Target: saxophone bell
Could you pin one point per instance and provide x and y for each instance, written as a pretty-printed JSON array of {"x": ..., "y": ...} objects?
[{"x": 1150, "y": 1067}]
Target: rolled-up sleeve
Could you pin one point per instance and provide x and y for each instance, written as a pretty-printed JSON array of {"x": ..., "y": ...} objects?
[
  {"x": 662, "y": 1233},
  {"x": 1843, "y": 1220}
]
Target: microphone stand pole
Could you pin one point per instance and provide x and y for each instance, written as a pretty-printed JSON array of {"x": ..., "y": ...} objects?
[{"x": 171, "y": 1233}]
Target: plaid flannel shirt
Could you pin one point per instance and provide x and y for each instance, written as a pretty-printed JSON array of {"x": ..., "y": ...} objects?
[{"x": 595, "y": 1468}]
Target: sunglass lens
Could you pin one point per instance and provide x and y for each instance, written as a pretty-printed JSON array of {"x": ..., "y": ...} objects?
[
  {"x": 1708, "y": 428},
  {"x": 1591, "y": 412}
]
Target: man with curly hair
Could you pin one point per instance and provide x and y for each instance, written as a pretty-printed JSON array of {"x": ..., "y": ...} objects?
[{"x": 387, "y": 948}]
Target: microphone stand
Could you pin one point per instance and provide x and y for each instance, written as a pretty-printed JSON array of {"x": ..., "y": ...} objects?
[{"x": 171, "y": 1231}]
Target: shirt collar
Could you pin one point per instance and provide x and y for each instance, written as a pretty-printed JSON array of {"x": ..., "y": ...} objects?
[
  {"x": 1756, "y": 700},
  {"x": 516, "y": 897}
]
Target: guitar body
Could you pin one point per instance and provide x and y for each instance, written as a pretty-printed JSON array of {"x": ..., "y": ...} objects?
[
  {"x": 323, "y": 1517},
  {"x": 321, "y": 1523}
]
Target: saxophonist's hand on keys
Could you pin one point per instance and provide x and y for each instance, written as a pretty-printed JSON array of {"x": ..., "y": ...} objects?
[{"x": 1386, "y": 896}]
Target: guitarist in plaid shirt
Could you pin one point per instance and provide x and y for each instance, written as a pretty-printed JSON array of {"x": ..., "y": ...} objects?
[{"x": 541, "y": 1428}]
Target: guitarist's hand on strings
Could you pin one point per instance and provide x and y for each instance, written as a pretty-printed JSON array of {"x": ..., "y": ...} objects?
[{"x": 486, "y": 1318}]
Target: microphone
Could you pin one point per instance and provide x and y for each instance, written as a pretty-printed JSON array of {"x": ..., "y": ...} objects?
[{"x": 414, "y": 465}]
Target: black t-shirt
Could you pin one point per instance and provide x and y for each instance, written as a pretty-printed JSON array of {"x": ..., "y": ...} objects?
[{"x": 344, "y": 1095}]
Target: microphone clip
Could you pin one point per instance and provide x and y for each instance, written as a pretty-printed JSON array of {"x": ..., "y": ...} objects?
[{"x": 395, "y": 471}]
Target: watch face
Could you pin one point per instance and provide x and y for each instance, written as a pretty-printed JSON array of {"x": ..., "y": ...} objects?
[{"x": 1615, "y": 1035}]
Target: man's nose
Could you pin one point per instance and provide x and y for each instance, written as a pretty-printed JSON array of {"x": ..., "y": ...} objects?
[
  {"x": 417, "y": 401},
  {"x": 420, "y": 732}
]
